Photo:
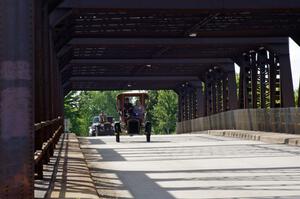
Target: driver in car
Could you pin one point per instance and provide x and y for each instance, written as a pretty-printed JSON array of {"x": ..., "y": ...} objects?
[{"x": 128, "y": 107}]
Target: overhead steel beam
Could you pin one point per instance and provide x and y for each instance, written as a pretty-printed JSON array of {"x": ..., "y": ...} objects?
[
  {"x": 134, "y": 78},
  {"x": 53, "y": 4},
  {"x": 59, "y": 15},
  {"x": 113, "y": 88},
  {"x": 183, "y": 5},
  {"x": 124, "y": 86},
  {"x": 177, "y": 41},
  {"x": 167, "y": 43},
  {"x": 149, "y": 61}
]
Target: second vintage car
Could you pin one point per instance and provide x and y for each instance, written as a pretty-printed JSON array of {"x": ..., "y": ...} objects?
[{"x": 99, "y": 128}]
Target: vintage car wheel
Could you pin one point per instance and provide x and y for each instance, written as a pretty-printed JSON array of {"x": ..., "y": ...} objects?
[
  {"x": 148, "y": 137},
  {"x": 117, "y": 137},
  {"x": 117, "y": 127},
  {"x": 118, "y": 131},
  {"x": 148, "y": 131}
]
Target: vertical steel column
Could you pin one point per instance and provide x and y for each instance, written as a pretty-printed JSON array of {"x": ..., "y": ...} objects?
[
  {"x": 244, "y": 82},
  {"x": 264, "y": 82},
  {"x": 278, "y": 82},
  {"x": 287, "y": 90},
  {"x": 179, "y": 109},
  {"x": 247, "y": 82},
  {"x": 219, "y": 83},
  {"x": 56, "y": 82},
  {"x": 232, "y": 88},
  {"x": 16, "y": 99},
  {"x": 225, "y": 92},
  {"x": 242, "y": 91},
  {"x": 253, "y": 66},
  {"x": 214, "y": 94},
  {"x": 39, "y": 83},
  {"x": 187, "y": 99},
  {"x": 272, "y": 81},
  {"x": 47, "y": 73},
  {"x": 208, "y": 94},
  {"x": 184, "y": 104},
  {"x": 194, "y": 103},
  {"x": 200, "y": 107},
  {"x": 207, "y": 98},
  {"x": 53, "y": 91},
  {"x": 191, "y": 103}
]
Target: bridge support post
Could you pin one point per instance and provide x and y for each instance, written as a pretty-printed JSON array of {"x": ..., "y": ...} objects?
[
  {"x": 287, "y": 90},
  {"x": 183, "y": 93},
  {"x": 266, "y": 79},
  {"x": 208, "y": 94},
  {"x": 191, "y": 103},
  {"x": 243, "y": 83},
  {"x": 16, "y": 99},
  {"x": 199, "y": 98},
  {"x": 232, "y": 88},
  {"x": 39, "y": 87},
  {"x": 187, "y": 104},
  {"x": 182, "y": 104},
  {"x": 220, "y": 89},
  {"x": 179, "y": 109}
]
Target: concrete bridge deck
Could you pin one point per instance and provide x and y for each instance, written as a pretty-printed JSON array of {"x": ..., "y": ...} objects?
[{"x": 192, "y": 166}]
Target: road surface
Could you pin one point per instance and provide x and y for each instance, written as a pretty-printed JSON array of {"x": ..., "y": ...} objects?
[{"x": 192, "y": 166}]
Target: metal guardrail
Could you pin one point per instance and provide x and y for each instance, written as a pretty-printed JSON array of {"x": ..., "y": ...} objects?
[{"x": 48, "y": 134}]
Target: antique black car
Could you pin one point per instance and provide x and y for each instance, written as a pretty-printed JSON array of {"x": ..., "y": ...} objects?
[{"x": 132, "y": 110}]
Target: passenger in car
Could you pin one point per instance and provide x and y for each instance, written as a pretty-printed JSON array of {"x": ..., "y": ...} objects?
[
  {"x": 138, "y": 110},
  {"x": 102, "y": 117}
]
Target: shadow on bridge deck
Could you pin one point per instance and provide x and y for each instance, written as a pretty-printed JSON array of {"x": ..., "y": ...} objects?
[{"x": 70, "y": 177}]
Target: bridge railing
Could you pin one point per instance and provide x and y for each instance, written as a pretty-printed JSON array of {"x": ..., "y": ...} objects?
[
  {"x": 47, "y": 134},
  {"x": 281, "y": 120}
]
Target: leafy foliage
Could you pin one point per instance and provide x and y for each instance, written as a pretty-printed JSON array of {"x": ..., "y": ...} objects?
[
  {"x": 165, "y": 112},
  {"x": 81, "y": 107}
]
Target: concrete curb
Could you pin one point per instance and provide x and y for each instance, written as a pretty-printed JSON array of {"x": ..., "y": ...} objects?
[{"x": 268, "y": 137}]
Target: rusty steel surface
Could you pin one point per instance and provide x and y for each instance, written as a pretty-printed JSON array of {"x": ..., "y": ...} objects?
[{"x": 16, "y": 99}]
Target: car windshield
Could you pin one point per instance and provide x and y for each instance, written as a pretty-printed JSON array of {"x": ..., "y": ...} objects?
[{"x": 96, "y": 120}]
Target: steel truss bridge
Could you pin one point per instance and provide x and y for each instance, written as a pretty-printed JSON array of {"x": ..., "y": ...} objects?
[{"x": 50, "y": 47}]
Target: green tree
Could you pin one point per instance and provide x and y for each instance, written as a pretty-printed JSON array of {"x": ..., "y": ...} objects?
[
  {"x": 71, "y": 110},
  {"x": 165, "y": 112},
  {"x": 82, "y": 106},
  {"x": 153, "y": 95}
]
